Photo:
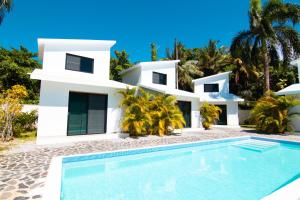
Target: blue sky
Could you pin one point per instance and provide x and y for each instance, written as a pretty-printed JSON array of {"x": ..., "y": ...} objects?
[{"x": 134, "y": 24}]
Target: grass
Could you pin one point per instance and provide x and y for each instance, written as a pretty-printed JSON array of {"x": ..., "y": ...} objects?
[
  {"x": 251, "y": 126},
  {"x": 20, "y": 139}
]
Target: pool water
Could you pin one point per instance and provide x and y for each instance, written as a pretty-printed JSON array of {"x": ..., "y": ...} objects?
[{"x": 246, "y": 169}]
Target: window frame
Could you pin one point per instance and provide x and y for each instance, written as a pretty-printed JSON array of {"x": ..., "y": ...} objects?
[
  {"x": 69, "y": 54},
  {"x": 211, "y": 84},
  {"x": 158, "y": 73}
]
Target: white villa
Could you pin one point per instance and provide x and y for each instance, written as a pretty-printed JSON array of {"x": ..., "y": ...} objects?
[
  {"x": 293, "y": 90},
  {"x": 78, "y": 98}
]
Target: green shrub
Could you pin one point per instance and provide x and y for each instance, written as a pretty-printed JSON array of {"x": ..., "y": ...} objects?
[
  {"x": 25, "y": 122},
  {"x": 271, "y": 113},
  {"x": 145, "y": 113},
  {"x": 209, "y": 114}
]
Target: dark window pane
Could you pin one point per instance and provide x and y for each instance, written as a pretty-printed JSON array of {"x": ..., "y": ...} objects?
[
  {"x": 78, "y": 63},
  {"x": 159, "y": 78},
  {"x": 211, "y": 87}
]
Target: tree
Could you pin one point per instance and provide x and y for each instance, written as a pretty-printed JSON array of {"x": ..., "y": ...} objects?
[
  {"x": 271, "y": 34},
  {"x": 5, "y": 7},
  {"x": 212, "y": 59},
  {"x": 11, "y": 107},
  {"x": 271, "y": 113},
  {"x": 166, "y": 116},
  {"x": 209, "y": 114},
  {"x": 186, "y": 73},
  {"x": 119, "y": 63},
  {"x": 153, "y": 52},
  {"x": 15, "y": 66}
]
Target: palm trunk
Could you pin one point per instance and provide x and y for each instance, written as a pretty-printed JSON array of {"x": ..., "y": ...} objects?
[{"x": 266, "y": 68}]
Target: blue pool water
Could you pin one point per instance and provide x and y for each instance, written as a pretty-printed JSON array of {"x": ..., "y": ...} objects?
[{"x": 245, "y": 169}]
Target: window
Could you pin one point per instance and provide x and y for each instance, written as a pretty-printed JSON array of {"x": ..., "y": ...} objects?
[
  {"x": 79, "y": 63},
  {"x": 211, "y": 87},
  {"x": 159, "y": 78}
]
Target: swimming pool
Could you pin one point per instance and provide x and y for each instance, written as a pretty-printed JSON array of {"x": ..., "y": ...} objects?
[{"x": 236, "y": 168}]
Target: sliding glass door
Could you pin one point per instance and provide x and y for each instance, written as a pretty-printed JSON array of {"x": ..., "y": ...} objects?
[{"x": 87, "y": 113}]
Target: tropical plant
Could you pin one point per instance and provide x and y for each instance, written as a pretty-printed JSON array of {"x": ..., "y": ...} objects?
[
  {"x": 212, "y": 59},
  {"x": 166, "y": 115},
  {"x": 186, "y": 73},
  {"x": 5, "y": 7},
  {"x": 209, "y": 114},
  {"x": 10, "y": 108},
  {"x": 271, "y": 34},
  {"x": 271, "y": 113},
  {"x": 15, "y": 66},
  {"x": 153, "y": 52},
  {"x": 25, "y": 122},
  {"x": 118, "y": 63},
  {"x": 145, "y": 113}
]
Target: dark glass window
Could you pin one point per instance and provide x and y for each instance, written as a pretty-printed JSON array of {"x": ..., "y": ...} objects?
[
  {"x": 159, "y": 78},
  {"x": 211, "y": 87},
  {"x": 79, "y": 63}
]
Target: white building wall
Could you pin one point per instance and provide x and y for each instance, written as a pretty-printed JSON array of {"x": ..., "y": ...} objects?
[
  {"x": 195, "y": 110},
  {"x": 54, "y": 60},
  {"x": 53, "y": 107},
  {"x": 132, "y": 77},
  {"x": 146, "y": 75},
  {"x": 223, "y": 86}
]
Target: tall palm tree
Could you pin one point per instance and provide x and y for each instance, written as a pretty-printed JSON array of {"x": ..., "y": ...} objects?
[
  {"x": 186, "y": 73},
  {"x": 213, "y": 59},
  {"x": 5, "y": 7},
  {"x": 153, "y": 51},
  {"x": 271, "y": 33}
]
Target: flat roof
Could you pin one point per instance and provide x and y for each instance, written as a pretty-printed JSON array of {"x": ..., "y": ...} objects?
[
  {"x": 148, "y": 64},
  {"x": 212, "y": 76},
  {"x": 290, "y": 90},
  {"x": 73, "y": 43}
]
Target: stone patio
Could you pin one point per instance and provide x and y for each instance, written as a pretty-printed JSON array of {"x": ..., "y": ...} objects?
[{"x": 23, "y": 170}]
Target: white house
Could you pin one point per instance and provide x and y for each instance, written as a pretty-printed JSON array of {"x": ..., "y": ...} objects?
[
  {"x": 76, "y": 95},
  {"x": 160, "y": 76},
  {"x": 293, "y": 90},
  {"x": 215, "y": 90}
]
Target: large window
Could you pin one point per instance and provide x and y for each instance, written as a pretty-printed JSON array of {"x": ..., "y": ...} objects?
[
  {"x": 159, "y": 78},
  {"x": 211, "y": 87},
  {"x": 79, "y": 63}
]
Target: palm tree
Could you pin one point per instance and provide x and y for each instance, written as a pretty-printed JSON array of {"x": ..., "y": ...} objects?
[
  {"x": 271, "y": 113},
  {"x": 153, "y": 52},
  {"x": 166, "y": 115},
  {"x": 213, "y": 59},
  {"x": 271, "y": 34},
  {"x": 119, "y": 63},
  {"x": 209, "y": 114},
  {"x": 186, "y": 73},
  {"x": 5, "y": 7}
]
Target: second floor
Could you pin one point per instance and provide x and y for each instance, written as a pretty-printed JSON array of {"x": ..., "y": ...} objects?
[
  {"x": 76, "y": 58},
  {"x": 160, "y": 73}
]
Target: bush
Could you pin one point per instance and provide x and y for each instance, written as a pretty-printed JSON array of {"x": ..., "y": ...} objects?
[
  {"x": 209, "y": 114},
  {"x": 271, "y": 113},
  {"x": 149, "y": 114},
  {"x": 25, "y": 122}
]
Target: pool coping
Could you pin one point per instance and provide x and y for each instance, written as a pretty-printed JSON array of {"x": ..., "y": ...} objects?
[{"x": 52, "y": 189}]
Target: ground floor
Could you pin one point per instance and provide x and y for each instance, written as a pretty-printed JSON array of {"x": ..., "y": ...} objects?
[
  {"x": 68, "y": 109},
  {"x": 23, "y": 170}
]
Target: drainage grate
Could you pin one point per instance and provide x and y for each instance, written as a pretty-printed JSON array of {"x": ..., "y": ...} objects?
[{"x": 256, "y": 145}]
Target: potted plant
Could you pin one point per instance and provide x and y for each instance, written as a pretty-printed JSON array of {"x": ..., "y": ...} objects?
[{"x": 209, "y": 114}]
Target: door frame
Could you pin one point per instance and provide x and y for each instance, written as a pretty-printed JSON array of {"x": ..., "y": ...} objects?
[{"x": 87, "y": 93}]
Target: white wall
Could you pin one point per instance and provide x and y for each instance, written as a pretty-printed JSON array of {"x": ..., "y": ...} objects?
[
  {"x": 223, "y": 82},
  {"x": 195, "y": 111},
  {"x": 132, "y": 77},
  {"x": 232, "y": 112},
  {"x": 29, "y": 107},
  {"x": 169, "y": 70},
  {"x": 54, "y": 60},
  {"x": 53, "y": 107}
]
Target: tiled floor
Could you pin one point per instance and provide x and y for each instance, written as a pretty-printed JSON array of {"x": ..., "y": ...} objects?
[{"x": 23, "y": 170}]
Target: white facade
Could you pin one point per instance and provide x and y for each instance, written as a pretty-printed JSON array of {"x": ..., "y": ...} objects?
[
  {"x": 219, "y": 97},
  {"x": 57, "y": 82},
  {"x": 293, "y": 90}
]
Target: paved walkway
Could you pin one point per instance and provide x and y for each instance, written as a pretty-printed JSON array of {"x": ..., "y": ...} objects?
[{"x": 23, "y": 170}]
